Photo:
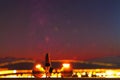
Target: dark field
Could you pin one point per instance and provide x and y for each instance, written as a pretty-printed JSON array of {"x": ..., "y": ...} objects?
[{"x": 60, "y": 79}]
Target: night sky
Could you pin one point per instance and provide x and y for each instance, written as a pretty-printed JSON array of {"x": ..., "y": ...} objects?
[{"x": 67, "y": 29}]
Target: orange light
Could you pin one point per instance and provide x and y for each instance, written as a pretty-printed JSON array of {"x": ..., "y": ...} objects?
[
  {"x": 66, "y": 65},
  {"x": 38, "y": 66}
]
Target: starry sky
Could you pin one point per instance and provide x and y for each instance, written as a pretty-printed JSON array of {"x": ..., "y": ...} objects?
[{"x": 67, "y": 29}]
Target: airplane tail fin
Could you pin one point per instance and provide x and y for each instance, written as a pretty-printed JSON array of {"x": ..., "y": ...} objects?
[
  {"x": 47, "y": 61},
  {"x": 48, "y": 67}
]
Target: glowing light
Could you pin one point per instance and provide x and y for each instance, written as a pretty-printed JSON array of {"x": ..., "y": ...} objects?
[
  {"x": 14, "y": 71},
  {"x": 66, "y": 65},
  {"x": 38, "y": 66},
  {"x": 109, "y": 72}
]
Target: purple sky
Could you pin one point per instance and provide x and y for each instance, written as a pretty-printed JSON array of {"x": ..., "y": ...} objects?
[{"x": 67, "y": 29}]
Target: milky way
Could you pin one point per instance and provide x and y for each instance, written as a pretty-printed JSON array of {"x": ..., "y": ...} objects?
[{"x": 67, "y": 29}]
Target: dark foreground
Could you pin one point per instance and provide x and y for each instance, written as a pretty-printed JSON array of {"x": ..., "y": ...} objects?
[{"x": 60, "y": 79}]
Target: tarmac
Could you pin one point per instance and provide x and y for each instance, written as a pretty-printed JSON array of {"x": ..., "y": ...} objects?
[{"x": 59, "y": 78}]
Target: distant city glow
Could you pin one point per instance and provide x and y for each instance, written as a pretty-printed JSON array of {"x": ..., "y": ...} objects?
[{"x": 102, "y": 73}]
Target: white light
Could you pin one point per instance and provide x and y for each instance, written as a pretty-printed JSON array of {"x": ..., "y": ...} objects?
[
  {"x": 38, "y": 66},
  {"x": 66, "y": 65},
  {"x": 14, "y": 71}
]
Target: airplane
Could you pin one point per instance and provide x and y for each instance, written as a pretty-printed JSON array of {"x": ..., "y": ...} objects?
[
  {"x": 39, "y": 71},
  {"x": 48, "y": 67}
]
